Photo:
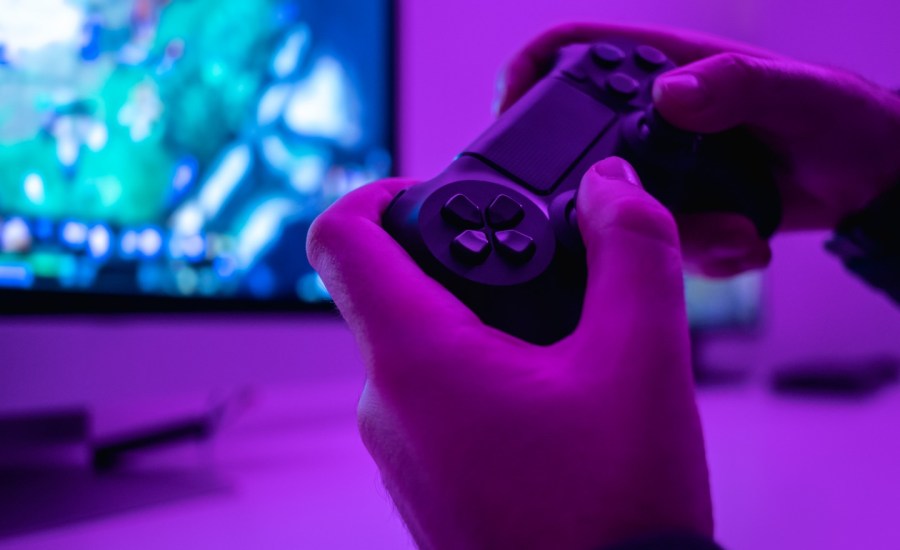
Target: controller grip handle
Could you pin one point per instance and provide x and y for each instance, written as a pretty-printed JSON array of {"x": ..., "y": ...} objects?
[{"x": 689, "y": 173}]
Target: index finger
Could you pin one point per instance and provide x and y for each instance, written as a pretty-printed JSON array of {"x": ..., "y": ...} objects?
[
  {"x": 383, "y": 294},
  {"x": 536, "y": 59}
]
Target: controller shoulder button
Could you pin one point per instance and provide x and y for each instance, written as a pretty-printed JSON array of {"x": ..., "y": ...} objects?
[
  {"x": 462, "y": 212},
  {"x": 607, "y": 55},
  {"x": 504, "y": 212},
  {"x": 471, "y": 247},
  {"x": 649, "y": 57},
  {"x": 623, "y": 85},
  {"x": 514, "y": 245}
]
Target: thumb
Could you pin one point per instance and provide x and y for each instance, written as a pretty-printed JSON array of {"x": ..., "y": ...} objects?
[
  {"x": 730, "y": 89},
  {"x": 634, "y": 270}
]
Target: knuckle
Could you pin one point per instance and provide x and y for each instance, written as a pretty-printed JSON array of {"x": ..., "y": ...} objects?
[
  {"x": 322, "y": 235},
  {"x": 735, "y": 64},
  {"x": 748, "y": 73},
  {"x": 739, "y": 84},
  {"x": 558, "y": 31},
  {"x": 643, "y": 217},
  {"x": 319, "y": 231},
  {"x": 737, "y": 73},
  {"x": 370, "y": 419},
  {"x": 567, "y": 29}
]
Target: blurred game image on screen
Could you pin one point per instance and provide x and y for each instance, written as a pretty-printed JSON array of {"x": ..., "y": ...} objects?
[{"x": 183, "y": 147}]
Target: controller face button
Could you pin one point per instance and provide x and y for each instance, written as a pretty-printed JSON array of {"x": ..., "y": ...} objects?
[
  {"x": 462, "y": 212},
  {"x": 515, "y": 246},
  {"x": 504, "y": 212},
  {"x": 471, "y": 247},
  {"x": 650, "y": 57},
  {"x": 607, "y": 55},
  {"x": 623, "y": 85}
]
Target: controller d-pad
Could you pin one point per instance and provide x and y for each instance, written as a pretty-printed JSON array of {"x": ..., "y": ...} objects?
[
  {"x": 623, "y": 85},
  {"x": 471, "y": 247},
  {"x": 649, "y": 57},
  {"x": 462, "y": 212},
  {"x": 504, "y": 212},
  {"x": 514, "y": 245},
  {"x": 607, "y": 55}
]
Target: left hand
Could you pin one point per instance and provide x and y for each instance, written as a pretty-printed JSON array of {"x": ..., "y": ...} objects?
[{"x": 486, "y": 441}]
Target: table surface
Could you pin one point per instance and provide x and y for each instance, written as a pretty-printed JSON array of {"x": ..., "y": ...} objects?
[{"x": 292, "y": 473}]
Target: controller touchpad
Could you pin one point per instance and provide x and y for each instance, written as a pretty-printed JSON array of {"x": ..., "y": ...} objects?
[{"x": 540, "y": 143}]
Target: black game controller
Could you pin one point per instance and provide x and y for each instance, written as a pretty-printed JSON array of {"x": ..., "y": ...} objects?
[{"x": 498, "y": 228}]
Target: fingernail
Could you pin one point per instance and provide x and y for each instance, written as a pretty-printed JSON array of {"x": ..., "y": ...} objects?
[
  {"x": 617, "y": 168},
  {"x": 685, "y": 89}
]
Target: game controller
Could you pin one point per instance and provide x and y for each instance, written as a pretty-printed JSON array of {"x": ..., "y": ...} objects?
[{"x": 498, "y": 227}]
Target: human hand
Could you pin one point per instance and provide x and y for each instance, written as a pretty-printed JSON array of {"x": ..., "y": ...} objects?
[
  {"x": 836, "y": 137},
  {"x": 487, "y": 441}
]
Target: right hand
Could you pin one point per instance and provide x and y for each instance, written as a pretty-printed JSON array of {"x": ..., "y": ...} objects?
[{"x": 836, "y": 136}]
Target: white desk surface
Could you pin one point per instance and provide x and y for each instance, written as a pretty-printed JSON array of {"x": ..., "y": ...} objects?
[{"x": 786, "y": 473}]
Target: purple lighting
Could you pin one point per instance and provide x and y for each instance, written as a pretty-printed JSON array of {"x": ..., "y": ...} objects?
[{"x": 291, "y": 472}]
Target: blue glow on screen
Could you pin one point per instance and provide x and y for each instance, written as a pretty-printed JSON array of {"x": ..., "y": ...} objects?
[{"x": 183, "y": 147}]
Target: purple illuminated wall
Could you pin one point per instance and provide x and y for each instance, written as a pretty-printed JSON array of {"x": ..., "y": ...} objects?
[
  {"x": 814, "y": 308},
  {"x": 451, "y": 54}
]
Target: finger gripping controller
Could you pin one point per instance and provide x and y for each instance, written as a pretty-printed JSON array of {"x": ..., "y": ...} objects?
[{"x": 498, "y": 226}]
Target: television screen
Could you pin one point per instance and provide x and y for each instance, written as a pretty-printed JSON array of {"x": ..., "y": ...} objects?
[{"x": 181, "y": 148}]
